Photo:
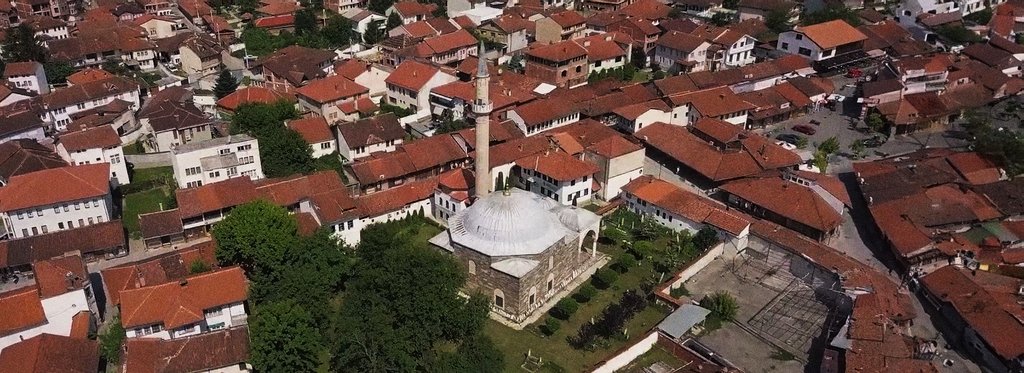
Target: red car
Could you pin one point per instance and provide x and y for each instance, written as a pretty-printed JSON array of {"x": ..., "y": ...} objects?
[
  {"x": 804, "y": 129},
  {"x": 854, "y": 73}
]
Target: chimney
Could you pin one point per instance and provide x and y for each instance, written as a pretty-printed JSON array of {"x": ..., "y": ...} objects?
[{"x": 183, "y": 282}]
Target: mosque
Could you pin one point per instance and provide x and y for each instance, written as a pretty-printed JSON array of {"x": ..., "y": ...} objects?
[{"x": 519, "y": 248}]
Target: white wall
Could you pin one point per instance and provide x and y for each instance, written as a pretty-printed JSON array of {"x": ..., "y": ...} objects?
[
  {"x": 351, "y": 235},
  {"x": 791, "y": 42},
  {"x": 621, "y": 360},
  {"x": 741, "y": 53},
  {"x": 35, "y": 83},
  {"x": 563, "y": 191},
  {"x": 352, "y": 154},
  {"x": 189, "y": 172},
  {"x": 59, "y": 311},
  {"x": 62, "y": 116},
  {"x": 217, "y": 318},
  {"x": 323, "y": 149},
  {"x": 77, "y": 213},
  {"x": 113, "y": 155}
]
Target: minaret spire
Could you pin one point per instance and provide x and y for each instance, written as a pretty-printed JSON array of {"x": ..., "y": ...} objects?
[{"x": 482, "y": 110}]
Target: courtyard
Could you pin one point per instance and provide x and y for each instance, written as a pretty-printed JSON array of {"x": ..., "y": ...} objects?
[{"x": 151, "y": 190}]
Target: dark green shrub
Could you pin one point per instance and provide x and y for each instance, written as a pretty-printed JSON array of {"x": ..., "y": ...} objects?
[
  {"x": 550, "y": 326},
  {"x": 624, "y": 263},
  {"x": 604, "y": 278},
  {"x": 585, "y": 293},
  {"x": 564, "y": 309}
]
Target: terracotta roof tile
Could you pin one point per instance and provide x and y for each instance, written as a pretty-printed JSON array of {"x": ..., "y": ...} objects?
[
  {"x": 561, "y": 51},
  {"x": 647, "y": 9},
  {"x": 680, "y": 41},
  {"x": 558, "y": 165},
  {"x": 380, "y": 203},
  {"x": 93, "y": 138},
  {"x": 713, "y": 102},
  {"x": 283, "y": 20},
  {"x": 200, "y": 353},
  {"x": 832, "y": 34},
  {"x": 22, "y": 310},
  {"x": 542, "y": 110},
  {"x": 47, "y": 353},
  {"x": 298, "y": 64},
  {"x": 87, "y": 91},
  {"x": 686, "y": 204},
  {"x": 410, "y": 9},
  {"x": 60, "y": 275},
  {"x": 232, "y": 192},
  {"x": 789, "y": 200},
  {"x": 600, "y": 48},
  {"x": 21, "y": 68},
  {"x": 89, "y": 239},
  {"x": 313, "y": 129},
  {"x": 25, "y": 156},
  {"x": 373, "y": 130},
  {"x": 252, "y": 94},
  {"x": 35, "y": 189},
  {"x": 568, "y": 18},
  {"x": 176, "y": 304},
  {"x": 975, "y": 169},
  {"x": 161, "y": 269},
  {"x": 363, "y": 106},
  {"x": 161, "y": 223},
  {"x": 411, "y": 75}
]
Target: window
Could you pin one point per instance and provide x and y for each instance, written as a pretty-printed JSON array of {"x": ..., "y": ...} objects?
[
  {"x": 45, "y": 230},
  {"x": 225, "y": 151},
  {"x": 214, "y": 313},
  {"x": 499, "y": 299},
  {"x": 56, "y": 209},
  {"x": 60, "y": 225},
  {"x": 471, "y": 267},
  {"x": 24, "y": 232},
  {"x": 785, "y": 46},
  {"x": 78, "y": 205},
  {"x": 805, "y": 51},
  {"x": 90, "y": 221},
  {"x": 565, "y": 73},
  {"x": 799, "y": 37},
  {"x": 579, "y": 69},
  {"x": 551, "y": 284},
  {"x": 81, "y": 222},
  {"x": 65, "y": 208},
  {"x": 325, "y": 145},
  {"x": 35, "y": 231}
]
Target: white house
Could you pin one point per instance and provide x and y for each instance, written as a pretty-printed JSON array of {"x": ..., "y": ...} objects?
[
  {"x": 634, "y": 117},
  {"x": 557, "y": 175},
  {"x": 681, "y": 52},
  {"x": 95, "y": 145},
  {"x": 735, "y": 48},
  {"x": 61, "y": 303},
  {"x": 321, "y": 97},
  {"x": 454, "y": 188},
  {"x": 719, "y": 103},
  {"x": 411, "y": 11},
  {"x": 210, "y": 161},
  {"x": 678, "y": 209},
  {"x": 197, "y": 304},
  {"x": 23, "y": 125},
  {"x": 382, "y": 133},
  {"x": 410, "y": 84},
  {"x": 392, "y": 204},
  {"x": 31, "y": 205},
  {"x": 62, "y": 103},
  {"x": 316, "y": 133},
  {"x": 822, "y": 41},
  {"x": 544, "y": 114},
  {"x": 171, "y": 123},
  {"x": 603, "y": 53},
  {"x": 362, "y": 19},
  {"x": 29, "y": 76}
]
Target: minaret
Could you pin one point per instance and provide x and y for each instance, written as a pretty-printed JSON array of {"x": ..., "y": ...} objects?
[{"x": 482, "y": 109}]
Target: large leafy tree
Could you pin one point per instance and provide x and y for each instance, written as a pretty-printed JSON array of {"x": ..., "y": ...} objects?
[
  {"x": 778, "y": 20},
  {"x": 255, "y": 235},
  {"x": 375, "y": 32},
  {"x": 305, "y": 21},
  {"x": 310, "y": 273},
  {"x": 380, "y": 6},
  {"x": 225, "y": 84},
  {"x": 21, "y": 44},
  {"x": 57, "y": 72},
  {"x": 338, "y": 31},
  {"x": 284, "y": 338},
  {"x": 401, "y": 303},
  {"x": 283, "y": 151},
  {"x": 394, "y": 20}
]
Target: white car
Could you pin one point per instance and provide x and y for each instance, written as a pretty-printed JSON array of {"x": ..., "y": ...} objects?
[{"x": 785, "y": 145}]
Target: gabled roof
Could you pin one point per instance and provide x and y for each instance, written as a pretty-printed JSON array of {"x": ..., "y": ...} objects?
[
  {"x": 749, "y": 155},
  {"x": 103, "y": 137},
  {"x": 381, "y": 203},
  {"x": 24, "y": 156},
  {"x": 680, "y": 41},
  {"x": 252, "y": 94},
  {"x": 542, "y": 110},
  {"x": 650, "y": 10},
  {"x": 831, "y": 34},
  {"x": 330, "y": 89},
  {"x": 313, "y": 129},
  {"x": 411, "y": 8},
  {"x": 803, "y": 204},
  {"x": 445, "y": 43},
  {"x": 568, "y": 18},
  {"x": 686, "y": 204},
  {"x": 199, "y": 353},
  {"x": 21, "y": 68},
  {"x": 558, "y": 165},
  {"x": 36, "y": 189},
  {"x": 176, "y": 304},
  {"x": 88, "y": 91},
  {"x": 232, "y": 192},
  {"x": 557, "y": 52},
  {"x": 174, "y": 115},
  {"x": 298, "y": 64},
  {"x": 22, "y": 310},
  {"x": 374, "y": 130},
  {"x": 89, "y": 239},
  {"x": 713, "y": 102},
  {"x": 46, "y": 353},
  {"x": 169, "y": 267},
  {"x": 14, "y": 124},
  {"x": 60, "y": 275},
  {"x": 412, "y": 75}
]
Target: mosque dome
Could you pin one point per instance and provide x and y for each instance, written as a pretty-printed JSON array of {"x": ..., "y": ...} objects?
[{"x": 509, "y": 223}]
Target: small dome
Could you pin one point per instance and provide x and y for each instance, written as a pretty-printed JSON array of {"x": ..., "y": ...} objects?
[{"x": 513, "y": 223}]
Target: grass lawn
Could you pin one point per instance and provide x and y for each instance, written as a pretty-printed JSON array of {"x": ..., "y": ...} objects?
[
  {"x": 133, "y": 148},
  {"x": 555, "y": 350},
  {"x": 147, "y": 200},
  {"x": 655, "y": 355},
  {"x": 641, "y": 76}
]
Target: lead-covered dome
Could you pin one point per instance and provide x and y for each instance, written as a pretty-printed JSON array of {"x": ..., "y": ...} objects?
[{"x": 509, "y": 223}]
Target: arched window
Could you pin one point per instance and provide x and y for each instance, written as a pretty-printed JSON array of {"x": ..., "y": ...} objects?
[
  {"x": 471, "y": 266},
  {"x": 499, "y": 298}
]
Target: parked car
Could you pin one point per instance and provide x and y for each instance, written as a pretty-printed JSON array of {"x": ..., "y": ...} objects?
[
  {"x": 960, "y": 135},
  {"x": 789, "y": 137},
  {"x": 804, "y": 129},
  {"x": 854, "y": 73}
]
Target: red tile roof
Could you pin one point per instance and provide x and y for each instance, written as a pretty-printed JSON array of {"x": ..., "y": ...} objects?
[
  {"x": 283, "y": 20},
  {"x": 330, "y": 89},
  {"x": 232, "y": 192},
  {"x": 313, "y": 129},
  {"x": 88, "y": 75},
  {"x": 568, "y": 18},
  {"x": 749, "y": 155},
  {"x": 162, "y": 269},
  {"x": 176, "y": 304},
  {"x": 373, "y": 130},
  {"x": 22, "y": 310},
  {"x": 48, "y": 353},
  {"x": 558, "y": 165},
  {"x": 647, "y": 9},
  {"x": 713, "y": 102},
  {"x": 21, "y": 68},
  {"x": 103, "y": 137},
  {"x": 831, "y": 34},
  {"x": 412, "y": 157},
  {"x": 363, "y": 106},
  {"x": 409, "y": 9},
  {"x": 89, "y": 239},
  {"x": 542, "y": 110},
  {"x": 200, "y": 353},
  {"x": 448, "y": 42},
  {"x": 60, "y": 275},
  {"x": 787, "y": 199},
  {"x": 161, "y": 223},
  {"x": 600, "y": 48},
  {"x": 686, "y": 204},
  {"x": 557, "y": 52},
  {"x": 979, "y": 308},
  {"x": 36, "y": 189},
  {"x": 252, "y": 94},
  {"x": 411, "y": 75},
  {"x": 974, "y": 168},
  {"x": 393, "y": 199},
  {"x": 680, "y": 41},
  {"x": 88, "y": 91}
]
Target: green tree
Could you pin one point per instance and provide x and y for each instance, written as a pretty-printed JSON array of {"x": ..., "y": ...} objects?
[
  {"x": 394, "y": 20},
  {"x": 284, "y": 152},
  {"x": 402, "y": 302},
  {"x": 875, "y": 122},
  {"x": 721, "y": 19},
  {"x": 380, "y": 6},
  {"x": 778, "y": 20},
  {"x": 1002, "y": 145},
  {"x": 246, "y": 6},
  {"x": 305, "y": 22},
  {"x": 477, "y": 354},
  {"x": 722, "y": 305},
  {"x": 832, "y": 12},
  {"x": 980, "y": 17},
  {"x": 259, "y": 42},
  {"x": 21, "y": 44},
  {"x": 820, "y": 161},
  {"x": 226, "y": 84},
  {"x": 375, "y": 33},
  {"x": 310, "y": 273},
  {"x": 705, "y": 238},
  {"x": 57, "y": 72},
  {"x": 338, "y": 31},
  {"x": 829, "y": 146},
  {"x": 958, "y": 34},
  {"x": 111, "y": 341},
  {"x": 284, "y": 337},
  {"x": 255, "y": 235},
  {"x": 516, "y": 64},
  {"x": 731, "y": 4}
]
